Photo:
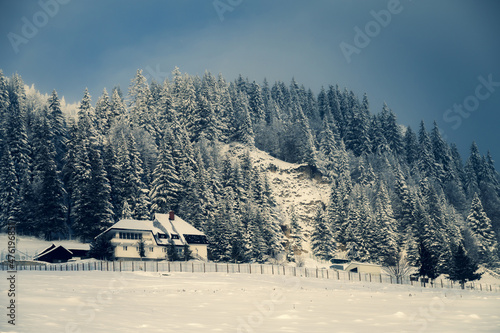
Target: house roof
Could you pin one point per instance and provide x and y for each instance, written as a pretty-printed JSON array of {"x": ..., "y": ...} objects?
[
  {"x": 128, "y": 224},
  {"x": 161, "y": 225},
  {"x": 354, "y": 265},
  {"x": 177, "y": 225},
  {"x": 50, "y": 249}
]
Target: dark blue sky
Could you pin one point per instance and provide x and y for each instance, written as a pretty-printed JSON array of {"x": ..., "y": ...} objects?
[{"x": 426, "y": 59}]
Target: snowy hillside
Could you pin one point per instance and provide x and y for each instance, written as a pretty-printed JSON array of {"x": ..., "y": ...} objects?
[
  {"x": 293, "y": 185},
  {"x": 184, "y": 302}
]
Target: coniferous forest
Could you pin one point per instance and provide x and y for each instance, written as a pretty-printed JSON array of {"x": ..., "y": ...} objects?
[{"x": 395, "y": 191}]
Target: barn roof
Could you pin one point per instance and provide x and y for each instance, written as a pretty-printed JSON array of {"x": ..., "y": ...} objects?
[{"x": 52, "y": 249}]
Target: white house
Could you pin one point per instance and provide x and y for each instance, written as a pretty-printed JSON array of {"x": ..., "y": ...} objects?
[{"x": 157, "y": 235}]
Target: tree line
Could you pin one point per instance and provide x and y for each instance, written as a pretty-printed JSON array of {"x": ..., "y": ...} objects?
[{"x": 161, "y": 147}]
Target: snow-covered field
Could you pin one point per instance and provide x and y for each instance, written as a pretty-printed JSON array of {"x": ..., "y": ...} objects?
[{"x": 184, "y": 302}]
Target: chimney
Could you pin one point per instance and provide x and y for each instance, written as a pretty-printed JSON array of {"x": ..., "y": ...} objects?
[{"x": 171, "y": 215}]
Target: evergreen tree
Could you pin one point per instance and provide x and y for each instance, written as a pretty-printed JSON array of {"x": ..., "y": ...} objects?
[
  {"x": 165, "y": 186},
  {"x": 50, "y": 209},
  {"x": 357, "y": 138},
  {"x": 428, "y": 263},
  {"x": 102, "y": 249},
  {"x": 463, "y": 269},
  {"x": 242, "y": 121},
  {"x": 322, "y": 241},
  {"x": 384, "y": 243},
  {"x": 411, "y": 146},
  {"x": 296, "y": 236},
  {"x": 9, "y": 191},
  {"x": 58, "y": 128},
  {"x": 480, "y": 225},
  {"x": 92, "y": 209},
  {"x": 391, "y": 130},
  {"x": 426, "y": 163},
  {"x": 126, "y": 212},
  {"x": 172, "y": 253},
  {"x": 15, "y": 130}
]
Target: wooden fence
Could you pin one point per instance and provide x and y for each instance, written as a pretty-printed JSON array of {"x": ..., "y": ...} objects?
[{"x": 228, "y": 268}]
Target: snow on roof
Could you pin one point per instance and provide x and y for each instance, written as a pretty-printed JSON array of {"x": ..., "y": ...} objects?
[
  {"x": 128, "y": 224},
  {"x": 177, "y": 225},
  {"x": 161, "y": 225},
  {"x": 355, "y": 263},
  {"x": 50, "y": 249},
  {"x": 52, "y": 246}
]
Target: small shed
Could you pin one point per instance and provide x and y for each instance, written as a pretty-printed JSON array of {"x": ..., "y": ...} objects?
[
  {"x": 59, "y": 253},
  {"x": 363, "y": 267}
]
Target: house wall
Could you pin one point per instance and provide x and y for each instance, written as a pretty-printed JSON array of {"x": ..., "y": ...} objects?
[
  {"x": 199, "y": 250},
  {"x": 151, "y": 250}
]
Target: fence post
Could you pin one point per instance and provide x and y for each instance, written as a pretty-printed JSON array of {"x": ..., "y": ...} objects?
[
  {"x": 250, "y": 268},
  {"x": 359, "y": 276},
  {"x": 272, "y": 269},
  {"x": 327, "y": 275},
  {"x": 316, "y": 272},
  {"x": 390, "y": 278},
  {"x": 120, "y": 266},
  {"x": 227, "y": 268},
  {"x": 261, "y": 269},
  {"x": 294, "y": 271},
  {"x": 216, "y": 268},
  {"x": 238, "y": 268},
  {"x": 204, "y": 268},
  {"x": 284, "y": 272},
  {"x": 370, "y": 277}
]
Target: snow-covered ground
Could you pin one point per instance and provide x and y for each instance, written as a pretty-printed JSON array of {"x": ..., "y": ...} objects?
[{"x": 215, "y": 302}]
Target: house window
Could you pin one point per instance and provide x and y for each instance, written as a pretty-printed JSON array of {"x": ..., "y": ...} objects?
[
  {"x": 124, "y": 248},
  {"x": 164, "y": 249},
  {"x": 175, "y": 236},
  {"x": 162, "y": 236},
  {"x": 130, "y": 235},
  {"x": 151, "y": 249}
]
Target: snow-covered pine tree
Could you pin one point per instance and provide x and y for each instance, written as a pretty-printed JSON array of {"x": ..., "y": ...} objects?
[
  {"x": 480, "y": 225},
  {"x": 322, "y": 241},
  {"x": 57, "y": 123},
  {"x": 391, "y": 130},
  {"x": 410, "y": 146},
  {"x": 90, "y": 190},
  {"x": 384, "y": 244},
  {"x": 9, "y": 191},
  {"x": 426, "y": 163},
  {"x": 50, "y": 209},
  {"x": 165, "y": 185}
]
